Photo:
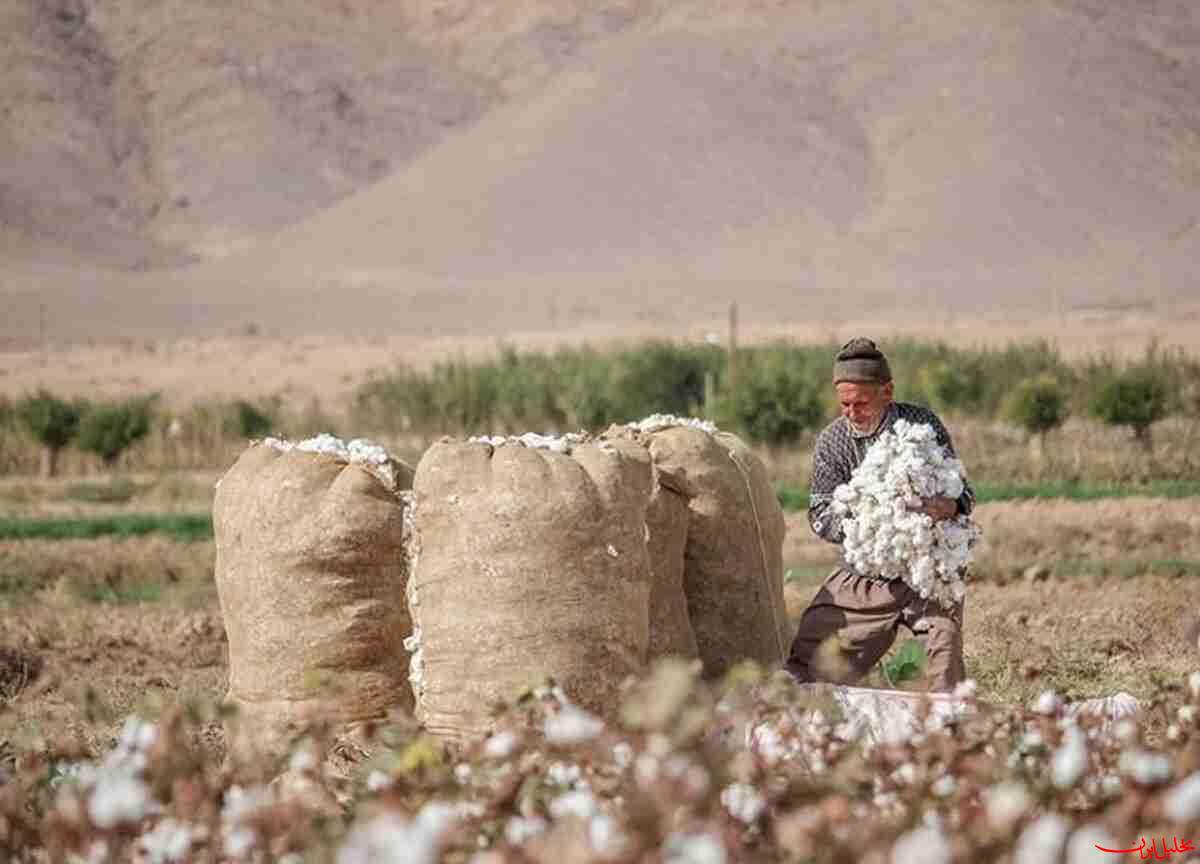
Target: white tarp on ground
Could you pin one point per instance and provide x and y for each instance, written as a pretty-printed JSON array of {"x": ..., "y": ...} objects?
[{"x": 878, "y": 716}]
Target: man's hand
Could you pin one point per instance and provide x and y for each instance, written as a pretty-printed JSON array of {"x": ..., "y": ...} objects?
[{"x": 938, "y": 509}]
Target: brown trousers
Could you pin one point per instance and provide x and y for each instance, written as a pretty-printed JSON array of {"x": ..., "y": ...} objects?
[{"x": 863, "y": 615}]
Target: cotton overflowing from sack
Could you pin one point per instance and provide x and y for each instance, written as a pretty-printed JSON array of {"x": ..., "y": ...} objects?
[
  {"x": 311, "y": 571},
  {"x": 733, "y": 553},
  {"x": 530, "y": 563}
]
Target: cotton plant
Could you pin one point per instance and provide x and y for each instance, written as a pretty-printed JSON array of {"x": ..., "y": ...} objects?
[
  {"x": 680, "y": 786},
  {"x": 885, "y": 535}
]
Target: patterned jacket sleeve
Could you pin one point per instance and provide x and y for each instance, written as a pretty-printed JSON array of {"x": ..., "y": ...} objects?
[
  {"x": 831, "y": 468},
  {"x": 966, "y": 501}
]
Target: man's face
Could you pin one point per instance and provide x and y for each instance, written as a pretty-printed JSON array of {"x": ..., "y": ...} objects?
[{"x": 863, "y": 404}]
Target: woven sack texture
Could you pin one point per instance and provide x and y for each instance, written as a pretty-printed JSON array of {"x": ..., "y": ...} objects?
[
  {"x": 733, "y": 561},
  {"x": 529, "y": 564},
  {"x": 310, "y": 573}
]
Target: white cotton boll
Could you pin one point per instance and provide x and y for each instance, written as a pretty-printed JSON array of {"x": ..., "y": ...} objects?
[
  {"x": 606, "y": 838},
  {"x": 1031, "y": 741},
  {"x": 563, "y": 773},
  {"x": 579, "y": 803},
  {"x": 1186, "y": 714},
  {"x": 693, "y": 849},
  {"x": 657, "y": 422},
  {"x": 744, "y": 802},
  {"x": 241, "y": 803},
  {"x": 646, "y": 769},
  {"x": 387, "y": 839},
  {"x": 371, "y": 456},
  {"x": 412, "y": 644},
  {"x": 239, "y": 842},
  {"x": 1006, "y": 803},
  {"x": 768, "y": 743},
  {"x": 168, "y": 843},
  {"x": 377, "y": 781},
  {"x": 1182, "y": 801},
  {"x": 1081, "y": 849},
  {"x": 501, "y": 745},
  {"x": 521, "y": 829},
  {"x": 1125, "y": 731},
  {"x": 571, "y": 726},
  {"x": 136, "y": 735},
  {"x": 118, "y": 799},
  {"x": 1047, "y": 703},
  {"x": 1042, "y": 840},
  {"x": 1145, "y": 767},
  {"x": 944, "y": 786},
  {"x": 1070, "y": 761},
  {"x": 922, "y": 846},
  {"x": 554, "y": 443},
  {"x": 1194, "y": 685}
]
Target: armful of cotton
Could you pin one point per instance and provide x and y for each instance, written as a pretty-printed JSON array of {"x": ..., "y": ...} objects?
[{"x": 885, "y": 537}]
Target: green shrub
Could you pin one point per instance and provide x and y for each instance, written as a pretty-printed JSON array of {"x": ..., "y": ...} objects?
[
  {"x": 109, "y": 429},
  {"x": 527, "y": 388},
  {"x": 585, "y": 393},
  {"x": 1136, "y": 396},
  {"x": 1037, "y": 405},
  {"x": 464, "y": 397},
  {"x": 52, "y": 423},
  {"x": 778, "y": 397},
  {"x": 953, "y": 386},
  {"x": 661, "y": 378},
  {"x": 252, "y": 421},
  {"x": 401, "y": 401}
]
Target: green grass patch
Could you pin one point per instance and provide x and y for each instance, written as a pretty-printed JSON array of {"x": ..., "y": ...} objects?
[
  {"x": 805, "y": 574},
  {"x": 186, "y": 527},
  {"x": 1073, "y": 491},
  {"x": 795, "y": 498},
  {"x": 1124, "y": 568},
  {"x": 119, "y": 490}
]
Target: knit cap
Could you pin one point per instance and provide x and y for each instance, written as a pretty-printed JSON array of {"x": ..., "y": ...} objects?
[{"x": 861, "y": 362}]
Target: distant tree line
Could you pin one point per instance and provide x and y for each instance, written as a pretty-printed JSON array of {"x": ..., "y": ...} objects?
[{"x": 779, "y": 394}]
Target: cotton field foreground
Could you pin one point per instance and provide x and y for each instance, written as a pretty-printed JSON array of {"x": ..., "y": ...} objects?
[{"x": 749, "y": 771}]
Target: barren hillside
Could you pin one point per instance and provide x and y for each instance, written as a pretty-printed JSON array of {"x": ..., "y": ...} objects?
[{"x": 563, "y": 165}]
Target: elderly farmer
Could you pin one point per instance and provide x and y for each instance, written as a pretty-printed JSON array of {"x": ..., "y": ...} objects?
[{"x": 862, "y": 613}]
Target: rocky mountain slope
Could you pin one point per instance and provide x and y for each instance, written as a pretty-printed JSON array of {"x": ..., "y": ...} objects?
[{"x": 471, "y": 165}]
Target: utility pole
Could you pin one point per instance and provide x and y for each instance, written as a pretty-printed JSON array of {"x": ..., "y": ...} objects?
[
  {"x": 43, "y": 348},
  {"x": 733, "y": 325}
]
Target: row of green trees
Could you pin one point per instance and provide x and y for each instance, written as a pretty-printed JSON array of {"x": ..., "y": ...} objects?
[
  {"x": 106, "y": 429},
  {"x": 143, "y": 431},
  {"x": 110, "y": 429},
  {"x": 773, "y": 394}
]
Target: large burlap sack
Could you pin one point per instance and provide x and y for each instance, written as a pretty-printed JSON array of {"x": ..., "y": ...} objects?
[
  {"x": 531, "y": 563},
  {"x": 310, "y": 574},
  {"x": 667, "y": 518},
  {"x": 733, "y": 561}
]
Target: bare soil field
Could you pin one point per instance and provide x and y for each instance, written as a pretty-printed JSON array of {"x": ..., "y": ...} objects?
[{"x": 94, "y": 630}]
